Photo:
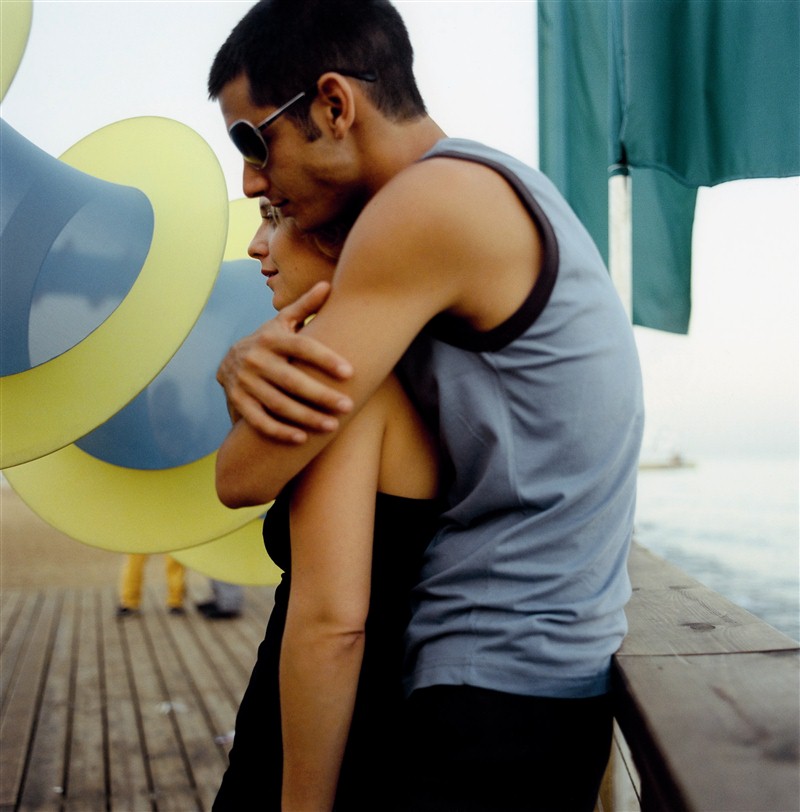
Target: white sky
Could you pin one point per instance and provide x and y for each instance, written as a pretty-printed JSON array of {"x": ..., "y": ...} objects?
[{"x": 730, "y": 387}]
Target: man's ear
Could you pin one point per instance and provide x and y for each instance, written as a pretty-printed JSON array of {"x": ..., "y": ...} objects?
[{"x": 338, "y": 102}]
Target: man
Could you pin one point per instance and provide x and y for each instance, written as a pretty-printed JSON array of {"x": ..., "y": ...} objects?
[{"x": 468, "y": 271}]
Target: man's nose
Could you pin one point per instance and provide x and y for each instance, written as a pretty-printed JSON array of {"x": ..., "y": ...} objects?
[{"x": 255, "y": 182}]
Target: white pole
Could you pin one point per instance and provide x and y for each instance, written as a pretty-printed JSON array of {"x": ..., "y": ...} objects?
[{"x": 620, "y": 238}]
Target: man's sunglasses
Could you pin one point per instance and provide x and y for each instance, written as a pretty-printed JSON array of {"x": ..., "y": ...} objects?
[{"x": 248, "y": 138}]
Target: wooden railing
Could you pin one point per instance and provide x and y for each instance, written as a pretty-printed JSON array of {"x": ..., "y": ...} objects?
[{"x": 707, "y": 702}]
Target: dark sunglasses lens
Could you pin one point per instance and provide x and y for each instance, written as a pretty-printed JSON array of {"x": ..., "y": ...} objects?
[{"x": 248, "y": 141}]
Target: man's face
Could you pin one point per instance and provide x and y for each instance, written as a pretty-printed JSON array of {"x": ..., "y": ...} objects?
[{"x": 302, "y": 178}]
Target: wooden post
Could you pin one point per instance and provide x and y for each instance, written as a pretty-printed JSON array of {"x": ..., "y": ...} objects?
[{"x": 707, "y": 697}]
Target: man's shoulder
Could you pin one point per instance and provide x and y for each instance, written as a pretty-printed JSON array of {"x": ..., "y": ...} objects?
[
  {"x": 461, "y": 162},
  {"x": 441, "y": 192},
  {"x": 440, "y": 228}
]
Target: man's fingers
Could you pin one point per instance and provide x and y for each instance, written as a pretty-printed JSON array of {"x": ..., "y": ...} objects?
[
  {"x": 309, "y": 303},
  {"x": 276, "y": 396},
  {"x": 262, "y": 373},
  {"x": 311, "y": 405},
  {"x": 267, "y": 425}
]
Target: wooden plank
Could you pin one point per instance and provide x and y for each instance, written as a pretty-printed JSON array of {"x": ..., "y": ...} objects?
[
  {"x": 95, "y": 742},
  {"x": 695, "y": 621},
  {"x": 44, "y": 780},
  {"x": 130, "y": 784},
  {"x": 21, "y": 710},
  {"x": 245, "y": 631},
  {"x": 621, "y": 787},
  {"x": 259, "y": 601},
  {"x": 189, "y": 708},
  {"x": 714, "y": 732},
  {"x": 699, "y": 696},
  {"x": 671, "y": 613},
  {"x": 238, "y": 645},
  {"x": 85, "y": 784},
  {"x": 220, "y": 702},
  {"x": 11, "y": 601},
  {"x": 172, "y": 789},
  {"x": 649, "y": 571},
  {"x": 15, "y": 643},
  {"x": 631, "y": 794},
  {"x": 210, "y": 642}
]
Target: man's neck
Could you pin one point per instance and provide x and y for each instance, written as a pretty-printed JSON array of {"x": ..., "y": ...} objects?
[{"x": 391, "y": 147}]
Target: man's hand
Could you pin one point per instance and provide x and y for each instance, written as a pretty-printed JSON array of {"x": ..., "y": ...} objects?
[{"x": 275, "y": 397}]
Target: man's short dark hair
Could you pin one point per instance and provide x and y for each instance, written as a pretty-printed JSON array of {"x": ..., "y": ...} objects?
[{"x": 284, "y": 46}]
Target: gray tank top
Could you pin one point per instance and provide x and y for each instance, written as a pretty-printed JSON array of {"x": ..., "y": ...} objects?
[{"x": 539, "y": 420}]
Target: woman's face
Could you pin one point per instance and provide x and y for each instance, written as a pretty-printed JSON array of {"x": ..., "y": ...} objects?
[{"x": 290, "y": 261}]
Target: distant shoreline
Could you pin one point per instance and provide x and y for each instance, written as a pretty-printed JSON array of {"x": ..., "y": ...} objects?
[{"x": 672, "y": 461}]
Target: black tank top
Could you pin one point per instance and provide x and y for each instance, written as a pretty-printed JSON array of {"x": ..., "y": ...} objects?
[{"x": 403, "y": 528}]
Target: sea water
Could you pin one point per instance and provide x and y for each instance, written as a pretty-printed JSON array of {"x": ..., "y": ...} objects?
[{"x": 733, "y": 525}]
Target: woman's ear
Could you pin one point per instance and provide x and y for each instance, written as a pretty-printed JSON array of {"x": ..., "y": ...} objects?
[{"x": 336, "y": 96}]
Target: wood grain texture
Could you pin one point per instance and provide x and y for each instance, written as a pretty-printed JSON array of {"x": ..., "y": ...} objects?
[
  {"x": 708, "y": 698},
  {"x": 119, "y": 714}
]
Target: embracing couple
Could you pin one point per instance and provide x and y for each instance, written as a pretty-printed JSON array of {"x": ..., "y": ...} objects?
[{"x": 452, "y": 442}]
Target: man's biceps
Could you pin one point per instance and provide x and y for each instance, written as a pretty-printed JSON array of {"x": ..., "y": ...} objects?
[{"x": 369, "y": 333}]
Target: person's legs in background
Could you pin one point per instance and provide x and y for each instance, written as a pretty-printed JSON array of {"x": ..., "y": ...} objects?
[
  {"x": 226, "y": 602},
  {"x": 228, "y": 597},
  {"x": 130, "y": 584},
  {"x": 176, "y": 585}
]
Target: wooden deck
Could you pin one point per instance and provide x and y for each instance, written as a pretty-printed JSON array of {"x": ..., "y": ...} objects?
[
  {"x": 132, "y": 715},
  {"x": 100, "y": 713}
]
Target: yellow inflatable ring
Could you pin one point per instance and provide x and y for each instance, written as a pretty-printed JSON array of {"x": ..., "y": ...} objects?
[
  {"x": 53, "y": 404},
  {"x": 15, "y": 27},
  {"x": 134, "y": 510},
  {"x": 238, "y": 558}
]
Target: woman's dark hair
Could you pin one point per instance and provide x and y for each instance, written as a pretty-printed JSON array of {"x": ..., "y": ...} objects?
[{"x": 284, "y": 46}]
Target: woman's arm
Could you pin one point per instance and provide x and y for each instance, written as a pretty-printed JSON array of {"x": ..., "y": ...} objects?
[{"x": 332, "y": 526}]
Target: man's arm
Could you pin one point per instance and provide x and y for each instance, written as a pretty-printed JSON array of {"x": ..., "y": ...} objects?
[
  {"x": 443, "y": 236},
  {"x": 365, "y": 319}
]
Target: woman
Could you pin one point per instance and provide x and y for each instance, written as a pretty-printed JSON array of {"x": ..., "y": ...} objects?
[{"x": 319, "y": 725}]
